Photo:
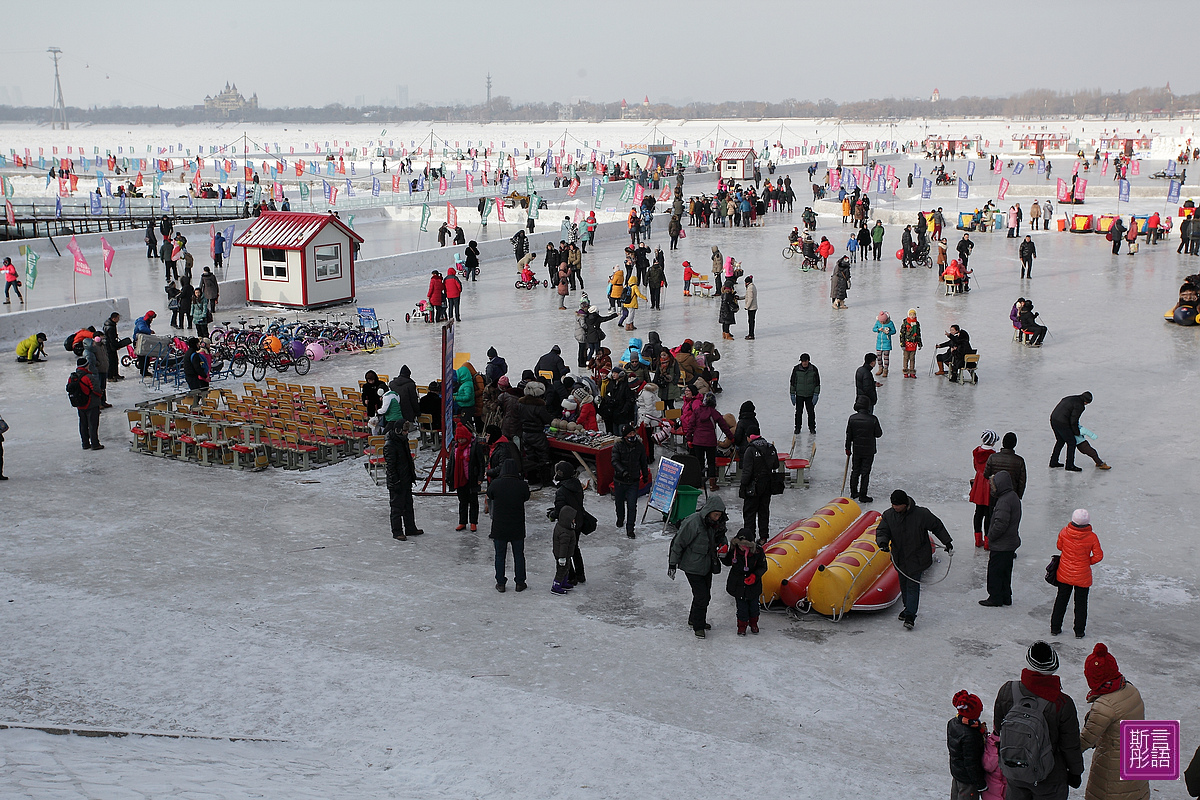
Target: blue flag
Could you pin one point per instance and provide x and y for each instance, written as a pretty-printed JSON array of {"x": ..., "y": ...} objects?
[
  {"x": 1041, "y": 166},
  {"x": 228, "y": 236},
  {"x": 58, "y": 208},
  {"x": 325, "y": 188},
  {"x": 241, "y": 191},
  {"x": 1170, "y": 168},
  {"x": 164, "y": 199},
  {"x": 1123, "y": 190},
  {"x": 970, "y": 170},
  {"x": 421, "y": 182},
  {"x": 505, "y": 183},
  {"x": 1018, "y": 168},
  {"x": 349, "y": 188},
  {"x": 881, "y": 184},
  {"x": 917, "y": 171},
  {"x": 108, "y": 189},
  {"x": 121, "y": 204},
  {"x": 375, "y": 187},
  {"x": 595, "y": 186},
  {"x": 963, "y": 189},
  {"x": 926, "y": 189},
  {"x": 95, "y": 196},
  {"x": 1173, "y": 192}
]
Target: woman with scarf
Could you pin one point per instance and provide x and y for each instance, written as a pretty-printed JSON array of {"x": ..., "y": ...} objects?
[
  {"x": 747, "y": 565},
  {"x": 1113, "y": 700},
  {"x": 981, "y": 490},
  {"x": 467, "y": 467}
]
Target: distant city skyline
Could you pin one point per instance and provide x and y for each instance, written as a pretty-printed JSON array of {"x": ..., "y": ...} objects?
[{"x": 375, "y": 53}]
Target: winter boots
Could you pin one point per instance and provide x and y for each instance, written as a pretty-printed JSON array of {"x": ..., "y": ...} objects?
[
  {"x": 978, "y": 538},
  {"x": 741, "y": 627},
  {"x": 754, "y": 625},
  {"x": 884, "y": 373},
  {"x": 630, "y": 327},
  {"x": 712, "y": 484},
  {"x": 560, "y": 587},
  {"x": 941, "y": 368}
]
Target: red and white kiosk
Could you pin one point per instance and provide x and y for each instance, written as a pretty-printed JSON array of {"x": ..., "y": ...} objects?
[
  {"x": 298, "y": 260},
  {"x": 853, "y": 154}
]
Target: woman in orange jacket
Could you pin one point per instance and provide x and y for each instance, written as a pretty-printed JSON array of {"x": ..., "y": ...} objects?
[{"x": 1080, "y": 549}]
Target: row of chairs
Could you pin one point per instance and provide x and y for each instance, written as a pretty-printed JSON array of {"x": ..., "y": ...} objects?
[{"x": 184, "y": 437}]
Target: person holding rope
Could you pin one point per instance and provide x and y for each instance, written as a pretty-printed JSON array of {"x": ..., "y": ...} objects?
[{"x": 904, "y": 531}]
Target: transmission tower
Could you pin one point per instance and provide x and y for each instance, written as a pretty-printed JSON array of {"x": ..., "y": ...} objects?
[
  {"x": 58, "y": 117},
  {"x": 489, "y": 89}
]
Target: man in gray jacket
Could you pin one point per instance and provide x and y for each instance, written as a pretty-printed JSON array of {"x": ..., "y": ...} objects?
[
  {"x": 1004, "y": 537},
  {"x": 694, "y": 550}
]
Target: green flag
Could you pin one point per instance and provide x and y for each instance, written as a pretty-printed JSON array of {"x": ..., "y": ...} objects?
[
  {"x": 627, "y": 192},
  {"x": 31, "y": 259},
  {"x": 529, "y": 184},
  {"x": 350, "y": 222},
  {"x": 304, "y": 191},
  {"x": 599, "y": 198},
  {"x": 8, "y": 187},
  {"x": 534, "y": 202},
  {"x": 488, "y": 205},
  {"x": 425, "y": 215}
]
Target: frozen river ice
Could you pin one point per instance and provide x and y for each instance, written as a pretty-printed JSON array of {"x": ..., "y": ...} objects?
[{"x": 142, "y": 595}]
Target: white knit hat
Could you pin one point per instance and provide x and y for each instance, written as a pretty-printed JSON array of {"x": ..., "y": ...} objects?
[{"x": 1081, "y": 517}]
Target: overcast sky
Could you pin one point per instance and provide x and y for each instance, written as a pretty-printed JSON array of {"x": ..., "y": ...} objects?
[{"x": 299, "y": 53}]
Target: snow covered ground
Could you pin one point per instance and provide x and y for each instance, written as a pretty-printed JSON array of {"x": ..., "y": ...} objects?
[{"x": 142, "y": 595}]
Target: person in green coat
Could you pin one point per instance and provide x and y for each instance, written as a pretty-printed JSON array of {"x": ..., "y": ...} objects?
[
  {"x": 877, "y": 240},
  {"x": 464, "y": 392},
  {"x": 694, "y": 550}
]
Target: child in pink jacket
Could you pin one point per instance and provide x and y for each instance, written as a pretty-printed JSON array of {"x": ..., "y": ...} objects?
[{"x": 996, "y": 784}]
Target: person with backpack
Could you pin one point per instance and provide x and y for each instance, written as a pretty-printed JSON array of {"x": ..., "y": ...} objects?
[
  {"x": 86, "y": 399},
  {"x": 195, "y": 366},
  {"x": 1040, "y": 750},
  {"x": 629, "y": 302},
  {"x": 760, "y": 465},
  {"x": 1080, "y": 549},
  {"x": 747, "y": 564},
  {"x": 966, "y": 735},
  {"x": 1113, "y": 700}
]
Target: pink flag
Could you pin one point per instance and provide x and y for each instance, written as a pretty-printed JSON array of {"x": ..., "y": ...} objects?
[
  {"x": 1104, "y": 167},
  {"x": 891, "y": 172},
  {"x": 665, "y": 194},
  {"x": 857, "y": 177},
  {"x": 395, "y": 183},
  {"x": 196, "y": 179},
  {"x": 1003, "y": 189},
  {"x": 500, "y": 209},
  {"x": 333, "y": 195},
  {"x": 1136, "y": 168},
  {"x": 81, "y": 265},
  {"x": 451, "y": 215},
  {"x": 1080, "y": 188},
  {"x": 835, "y": 180},
  {"x": 442, "y": 185},
  {"x": 212, "y": 240},
  {"x": 578, "y": 214},
  {"x": 277, "y": 190},
  {"x": 999, "y": 168},
  {"x": 470, "y": 182},
  {"x": 639, "y": 193},
  {"x": 9, "y": 214},
  {"x": 109, "y": 253},
  {"x": 1064, "y": 192},
  {"x": 1075, "y": 169}
]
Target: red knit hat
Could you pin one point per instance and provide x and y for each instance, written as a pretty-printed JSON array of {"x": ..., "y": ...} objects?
[
  {"x": 969, "y": 706},
  {"x": 1100, "y": 667},
  {"x": 462, "y": 433}
]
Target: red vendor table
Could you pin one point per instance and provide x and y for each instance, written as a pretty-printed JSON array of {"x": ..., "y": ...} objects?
[{"x": 602, "y": 455}]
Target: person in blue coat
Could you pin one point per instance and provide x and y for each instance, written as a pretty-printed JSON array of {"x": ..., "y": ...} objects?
[{"x": 884, "y": 330}]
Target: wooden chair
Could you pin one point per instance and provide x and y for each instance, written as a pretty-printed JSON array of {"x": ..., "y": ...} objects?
[
  {"x": 426, "y": 430},
  {"x": 309, "y": 391},
  {"x": 207, "y": 443},
  {"x": 242, "y": 454},
  {"x": 376, "y": 462},
  {"x": 140, "y": 429},
  {"x": 303, "y": 451},
  {"x": 160, "y": 431},
  {"x": 184, "y": 442}
]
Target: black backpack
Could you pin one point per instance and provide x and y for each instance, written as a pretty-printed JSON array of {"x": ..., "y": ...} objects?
[
  {"x": 69, "y": 343},
  {"x": 75, "y": 392},
  {"x": 626, "y": 295}
]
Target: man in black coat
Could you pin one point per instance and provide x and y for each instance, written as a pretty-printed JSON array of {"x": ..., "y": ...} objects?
[
  {"x": 508, "y": 495},
  {"x": 1028, "y": 252},
  {"x": 862, "y": 429},
  {"x": 406, "y": 389},
  {"x": 1008, "y": 460},
  {"x": 906, "y": 246},
  {"x": 865, "y": 383},
  {"x": 759, "y": 462},
  {"x": 958, "y": 347},
  {"x": 629, "y": 467},
  {"x": 1064, "y": 421},
  {"x": 111, "y": 343},
  {"x": 553, "y": 363},
  {"x": 904, "y": 532},
  {"x": 965, "y": 246},
  {"x": 401, "y": 475},
  {"x": 1004, "y": 537}
]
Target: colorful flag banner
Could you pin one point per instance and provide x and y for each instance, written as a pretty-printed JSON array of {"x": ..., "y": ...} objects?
[
  {"x": 442, "y": 185},
  {"x": 109, "y": 253},
  {"x": 375, "y": 187},
  {"x": 451, "y": 215},
  {"x": 970, "y": 170},
  {"x": 164, "y": 196},
  {"x": 31, "y": 270},
  {"x": 425, "y": 214},
  {"x": 1173, "y": 192},
  {"x": 9, "y": 214},
  {"x": 1041, "y": 166},
  {"x": 1064, "y": 192},
  {"x": 963, "y": 189},
  {"x": 1018, "y": 168},
  {"x": 470, "y": 182},
  {"x": 599, "y": 197},
  {"x": 665, "y": 194},
  {"x": 926, "y": 188},
  {"x": 500, "y": 209},
  {"x": 639, "y": 194},
  {"x": 1080, "y": 188},
  {"x": 1003, "y": 189},
  {"x": 305, "y": 192},
  {"x": 1122, "y": 190},
  {"x": 1136, "y": 168},
  {"x": 81, "y": 265}
]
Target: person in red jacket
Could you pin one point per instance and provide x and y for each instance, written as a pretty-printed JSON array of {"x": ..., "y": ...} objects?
[
  {"x": 825, "y": 250},
  {"x": 688, "y": 275},
  {"x": 452, "y": 287},
  {"x": 587, "y": 410},
  {"x": 1080, "y": 549},
  {"x": 981, "y": 494},
  {"x": 11, "y": 281},
  {"x": 437, "y": 296}
]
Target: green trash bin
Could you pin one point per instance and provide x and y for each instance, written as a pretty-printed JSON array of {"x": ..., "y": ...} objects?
[{"x": 687, "y": 500}]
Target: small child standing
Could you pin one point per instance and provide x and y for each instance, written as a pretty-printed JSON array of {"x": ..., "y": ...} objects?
[
  {"x": 852, "y": 249},
  {"x": 747, "y": 564},
  {"x": 565, "y": 541},
  {"x": 997, "y": 785},
  {"x": 688, "y": 274},
  {"x": 965, "y": 735}
]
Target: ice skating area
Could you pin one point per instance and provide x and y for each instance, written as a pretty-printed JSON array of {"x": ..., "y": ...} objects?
[{"x": 147, "y": 595}]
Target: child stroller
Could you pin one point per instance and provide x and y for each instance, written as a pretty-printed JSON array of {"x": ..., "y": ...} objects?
[{"x": 423, "y": 309}]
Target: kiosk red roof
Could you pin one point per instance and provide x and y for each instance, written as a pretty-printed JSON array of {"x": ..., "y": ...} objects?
[
  {"x": 736, "y": 153},
  {"x": 289, "y": 230}
]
